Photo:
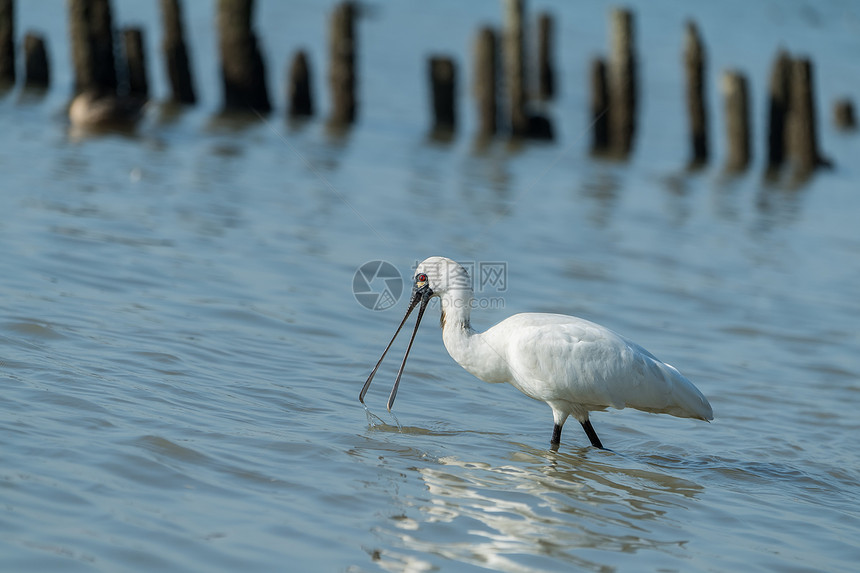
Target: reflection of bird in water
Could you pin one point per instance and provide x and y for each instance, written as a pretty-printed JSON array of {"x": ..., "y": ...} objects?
[
  {"x": 574, "y": 365},
  {"x": 94, "y": 110}
]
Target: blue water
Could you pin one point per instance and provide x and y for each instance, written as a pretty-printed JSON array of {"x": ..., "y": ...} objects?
[{"x": 181, "y": 351}]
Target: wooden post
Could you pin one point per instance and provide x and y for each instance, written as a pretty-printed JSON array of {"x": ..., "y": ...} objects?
[
  {"x": 7, "y": 43},
  {"x": 599, "y": 108},
  {"x": 342, "y": 54},
  {"x": 299, "y": 100},
  {"x": 622, "y": 83},
  {"x": 242, "y": 68},
  {"x": 79, "y": 34},
  {"x": 546, "y": 68},
  {"x": 138, "y": 85},
  {"x": 91, "y": 31},
  {"x": 778, "y": 99},
  {"x": 443, "y": 75},
  {"x": 736, "y": 100},
  {"x": 176, "y": 54},
  {"x": 843, "y": 114},
  {"x": 514, "y": 66},
  {"x": 802, "y": 128},
  {"x": 102, "y": 41},
  {"x": 694, "y": 65},
  {"x": 36, "y": 69},
  {"x": 485, "y": 86}
]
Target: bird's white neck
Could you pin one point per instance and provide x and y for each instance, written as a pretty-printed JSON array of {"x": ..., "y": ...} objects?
[
  {"x": 465, "y": 345},
  {"x": 456, "y": 309}
]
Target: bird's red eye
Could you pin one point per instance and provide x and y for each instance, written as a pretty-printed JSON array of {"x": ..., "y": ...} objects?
[{"x": 422, "y": 278}]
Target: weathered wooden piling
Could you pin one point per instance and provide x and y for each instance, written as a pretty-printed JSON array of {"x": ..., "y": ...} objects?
[
  {"x": 341, "y": 72},
  {"x": 515, "y": 66},
  {"x": 843, "y": 114},
  {"x": 7, "y": 43},
  {"x": 736, "y": 102},
  {"x": 486, "y": 82},
  {"x": 545, "y": 65},
  {"x": 802, "y": 129},
  {"x": 599, "y": 106},
  {"x": 101, "y": 33},
  {"x": 443, "y": 78},
  {"x": 299, "y": 100},
  {"x": 136, "y": 78},
  {"x": 694, "y": 67},
  {"x": 778, "y": 100},
  {"x": 622, "y": 83},
  {"x": 176, "y": 54},
  {"x": 36, "y": 69},
  {"x": 242, "y": 68},
  {"x": 91, "y": 32}
]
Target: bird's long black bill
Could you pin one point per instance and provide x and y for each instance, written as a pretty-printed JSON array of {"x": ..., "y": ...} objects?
[
  {"x": 424, "y": 300},
  {"x": 412, "y": 304}
]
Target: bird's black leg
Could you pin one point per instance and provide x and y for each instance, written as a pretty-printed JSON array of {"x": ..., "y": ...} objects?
[
  {"x": 592, "y": 435},
  {"x": 556, "y": 437}
]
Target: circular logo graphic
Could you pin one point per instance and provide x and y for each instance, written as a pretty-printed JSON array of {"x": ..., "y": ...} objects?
[{"x": 377, "y": 285}]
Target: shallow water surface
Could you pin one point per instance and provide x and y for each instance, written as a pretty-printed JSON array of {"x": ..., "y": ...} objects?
[{"x": 181, "y": 351}]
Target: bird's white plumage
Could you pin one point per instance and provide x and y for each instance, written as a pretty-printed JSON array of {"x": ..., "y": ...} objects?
[{"x": 574, "y": 365}]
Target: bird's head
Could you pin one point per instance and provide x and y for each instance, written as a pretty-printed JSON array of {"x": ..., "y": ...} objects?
[{"x": 436, "y": 276}]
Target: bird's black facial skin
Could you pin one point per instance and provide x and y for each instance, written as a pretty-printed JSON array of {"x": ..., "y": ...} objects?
[{"x": 421, "y": 291}]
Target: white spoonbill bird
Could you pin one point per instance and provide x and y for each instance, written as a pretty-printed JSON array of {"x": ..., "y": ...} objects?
[{"x": 574, "y": 365}]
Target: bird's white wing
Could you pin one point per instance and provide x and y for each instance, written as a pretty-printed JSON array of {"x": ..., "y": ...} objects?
[{"x": 563, "y": 358}]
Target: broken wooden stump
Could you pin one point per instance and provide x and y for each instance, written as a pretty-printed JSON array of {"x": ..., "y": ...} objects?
[
  {"x": 694, "y": 67},
  {"x": 7, "y": 43},
  {"x": 545, "y": 65},
  {"x": 515, "y": 67},
  {"x": 443, "y": 76},
  {"x": 91, "y": 33},
  {"x": 299, "y": 100},
  {"x": 341, "y": 73},
  {"x": 242, "y": 67},
  {"x": 137, "y": 84},
  {"x": 736, "y": 105},
  {"x": 622, "y": 76},
  {"x": 802, "y": 128},
  {"x": 485, "y": 86},
  {"x": 599, "y": 108},
  {"x": 36, "y": 69},
  {"x": 176, "y": 54},
  {"x": 778, "y": 91}
]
